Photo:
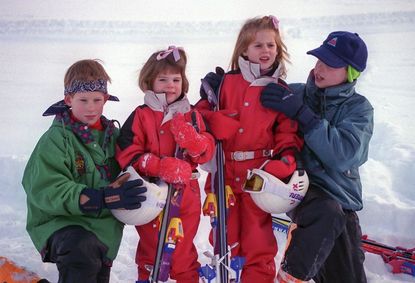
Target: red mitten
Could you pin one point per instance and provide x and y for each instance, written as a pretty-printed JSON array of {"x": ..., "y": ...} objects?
[
  {"x": 148, "y": 164},
  {"x": 187, "y": 137},
  {"x": 175, "y": 171},
  {"x": 281, "y": 168},
  {"x": 223, "y": 123}
]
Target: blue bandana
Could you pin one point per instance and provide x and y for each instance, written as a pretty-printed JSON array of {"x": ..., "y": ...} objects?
[{"x": 81, "y": 86}]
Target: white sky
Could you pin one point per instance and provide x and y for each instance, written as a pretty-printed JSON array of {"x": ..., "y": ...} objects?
[{"x": 189, "y": 10}]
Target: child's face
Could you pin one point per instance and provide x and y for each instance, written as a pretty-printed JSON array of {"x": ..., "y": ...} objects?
[
  {"x": 263, "y": 49},
  {"x": 170, "y": 83},
  {"x": 326, "y": 76},
  {"x": 87, "y": 107}
]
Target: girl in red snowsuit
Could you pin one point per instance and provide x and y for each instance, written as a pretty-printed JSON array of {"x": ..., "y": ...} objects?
[
  {"x": 251, "y": 134},
  {"x": 148, "y": 142}
]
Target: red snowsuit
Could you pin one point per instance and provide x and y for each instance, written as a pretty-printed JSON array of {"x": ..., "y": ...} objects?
[
  {"x": 261, "y": 130},
  {"x": 148, "y": 131}
]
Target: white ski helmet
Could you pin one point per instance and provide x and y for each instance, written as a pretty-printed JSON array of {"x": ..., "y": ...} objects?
[
  {"x": 273, "y": 195},
  {"x": 155, "y": 200}
]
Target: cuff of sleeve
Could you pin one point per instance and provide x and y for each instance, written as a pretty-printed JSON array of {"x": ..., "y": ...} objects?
[
  {"x": 307, "y": 119},
  {"x": 290, "y": 151},
  {"x": 94, "y": 200}
]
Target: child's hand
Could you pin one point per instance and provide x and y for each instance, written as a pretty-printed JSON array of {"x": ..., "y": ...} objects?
[
  {"x": 279, "y": 97},
  {"x": 281, "y": 168},
  {"x": 175, "y": 171},
  {"x": 187, "y": 137},
  {"x": 214, "y": 80},
  {"x": 129, "y": 195},
  {"x": 120, "y": 194},
  {"x": 170, "y": 169}
]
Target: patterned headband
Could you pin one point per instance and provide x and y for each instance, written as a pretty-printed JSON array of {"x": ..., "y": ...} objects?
[
  {"x": 172, "y": 49},
  {"x": 275, "y": 21},
  {"x": 81, "y": 86}
]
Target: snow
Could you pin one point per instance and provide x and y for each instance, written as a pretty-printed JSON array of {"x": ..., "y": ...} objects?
[{"x": 40, "y": 39}]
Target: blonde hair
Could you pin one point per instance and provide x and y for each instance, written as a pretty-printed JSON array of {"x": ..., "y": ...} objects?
[
  {"x": 85, "y": 71},
  {"x": 247, "y": 36},
  {"x": 155, "y": 66}
]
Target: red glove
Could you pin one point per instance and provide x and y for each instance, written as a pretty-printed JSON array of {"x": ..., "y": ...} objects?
[
  {"x": 170, "y": 169},
  {"x": 175, "y": 171},
  {"x": 148, "y": 164},
  {"x": 281, "y": 168},
  {"x": 223, "y": 123},
  {"x": 187, "y": 137}
]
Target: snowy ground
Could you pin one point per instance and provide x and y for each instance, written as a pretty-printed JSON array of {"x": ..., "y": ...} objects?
[{"x": 37, "y": 47}]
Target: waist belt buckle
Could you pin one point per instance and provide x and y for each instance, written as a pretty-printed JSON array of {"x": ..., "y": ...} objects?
[
  {"x": 242, "y": 155},
  {"x": 267, "y": 152}
]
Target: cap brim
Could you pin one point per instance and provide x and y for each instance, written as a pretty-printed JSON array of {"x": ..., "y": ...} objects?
[
  {"x": 328, "y": 57},
  {"x": 113, "y": 98}
]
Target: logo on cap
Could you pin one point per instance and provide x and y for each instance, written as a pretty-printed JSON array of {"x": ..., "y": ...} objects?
[{"x": 332, "y": 42}]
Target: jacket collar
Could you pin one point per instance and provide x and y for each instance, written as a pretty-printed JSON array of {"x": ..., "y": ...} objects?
[
  {"x": 158, "y": 102},
  {"x": 252, "y": 73},
  {"x": 82, "y": 130},
  {"x": 344, "y": 90}
]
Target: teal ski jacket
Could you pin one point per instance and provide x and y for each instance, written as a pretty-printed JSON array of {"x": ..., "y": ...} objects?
[{"x": 338, "y": 145}]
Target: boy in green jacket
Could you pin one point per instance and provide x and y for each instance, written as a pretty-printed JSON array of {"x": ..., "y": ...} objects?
[{"x": 70, "y": 181}]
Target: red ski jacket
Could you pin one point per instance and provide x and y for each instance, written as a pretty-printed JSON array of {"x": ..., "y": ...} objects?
[
  {"x": 147, "y": 131},
  {"x": 263, "y": 132}
]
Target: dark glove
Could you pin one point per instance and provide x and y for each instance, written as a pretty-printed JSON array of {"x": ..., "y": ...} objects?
[
  {"x": 214, "y": 80},
  {"x": 280, "y": 98},
  {"x": 128, "y": 195}
]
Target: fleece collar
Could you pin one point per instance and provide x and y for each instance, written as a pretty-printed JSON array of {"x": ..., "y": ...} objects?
[
  {"x": 158, "y": 102},
  {"x": 252, "y": 73}
]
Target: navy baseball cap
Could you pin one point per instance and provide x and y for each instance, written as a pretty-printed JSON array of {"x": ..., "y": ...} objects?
[{"x": 342, "y": 48}]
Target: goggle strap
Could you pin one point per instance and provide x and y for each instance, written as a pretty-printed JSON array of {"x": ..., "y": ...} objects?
[{"x": 263, "y": 164}]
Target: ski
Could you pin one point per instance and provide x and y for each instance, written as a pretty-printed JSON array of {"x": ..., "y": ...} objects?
[
  {"x": 218, "y": 221},
  {"x": 401, "y": 260},
  {"x": 171, "y": 231}
]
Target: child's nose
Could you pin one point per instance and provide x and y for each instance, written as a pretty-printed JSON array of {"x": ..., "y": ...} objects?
[{"x": 90, "y": 106}]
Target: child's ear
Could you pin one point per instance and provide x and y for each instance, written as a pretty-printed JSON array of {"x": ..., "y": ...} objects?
[{"x": 68, "y": 100}]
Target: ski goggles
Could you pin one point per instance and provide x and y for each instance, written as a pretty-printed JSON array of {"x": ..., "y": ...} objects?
[
  {"x": 254, "y": 183},
  {"x": 259, "y": 181}
]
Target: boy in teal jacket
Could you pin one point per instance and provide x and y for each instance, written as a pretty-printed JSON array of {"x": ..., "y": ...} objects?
[
  {"x": 68, "y": 181},
  {"x": 337, "y": 124}
]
